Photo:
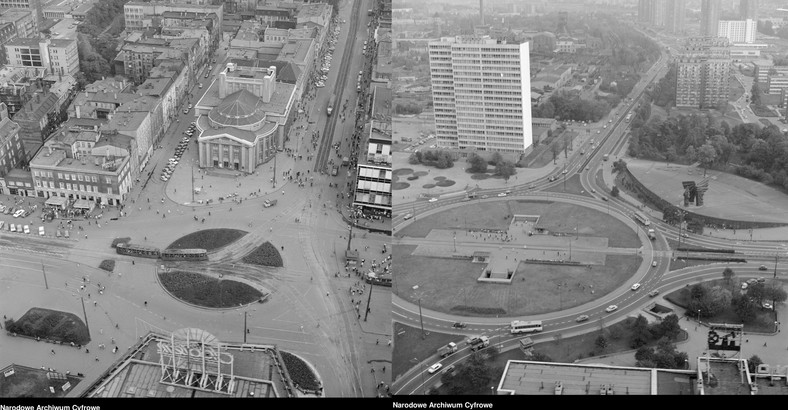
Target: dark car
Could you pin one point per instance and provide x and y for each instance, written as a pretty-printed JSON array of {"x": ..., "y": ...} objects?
[{"x": 459, "y": 325}]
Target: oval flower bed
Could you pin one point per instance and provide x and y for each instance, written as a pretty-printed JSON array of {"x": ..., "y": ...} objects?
[{"x": 206, "y": 291}]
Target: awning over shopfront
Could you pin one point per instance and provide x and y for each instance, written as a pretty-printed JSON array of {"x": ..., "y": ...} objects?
[
  {"x": 57, "y": 201},
  {"x": 83, "y": 204}
]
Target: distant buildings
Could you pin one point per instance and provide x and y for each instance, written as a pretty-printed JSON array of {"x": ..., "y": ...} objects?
[
  {"x": 45, "y": 56},
  {"x": 738, "y": 31},
  {"x": 668, "y": 14},
  {"x": 702, "y": 72},
  {"x": 34, "y": 6},
  {"x": 481, "y": 94},
  {"x": 709, "y": 17}
]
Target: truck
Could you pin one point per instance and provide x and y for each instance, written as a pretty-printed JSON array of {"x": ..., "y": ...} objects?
[
  {"x": 269, "y": 203},
  {"x": 479, "y": 342},
  {"x": 652, "y": 234},
  {"x": 331, "y": 102},
  {"x": 447, "y": 350}
]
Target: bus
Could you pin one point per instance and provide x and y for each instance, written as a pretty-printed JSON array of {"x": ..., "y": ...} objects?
[
  {"x": 184, "y": 255},
  {"x": 642, "y": 219},
  {"x": 519, "y": 326},
  {"x": 331, "y": 102}
]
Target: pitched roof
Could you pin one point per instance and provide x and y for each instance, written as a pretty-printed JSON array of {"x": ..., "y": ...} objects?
[{"x": 238, "y": 109}]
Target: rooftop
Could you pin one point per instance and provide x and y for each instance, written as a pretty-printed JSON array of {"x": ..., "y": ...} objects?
[
  {"x": 154, "y": 86},
  {"x": 295, "y": 50},
  {"x": 37, "y": 108},
  {"x": 381, "y": 105},
  {"x": 240, "y": 108},
  {"x": 127, "y": 121}
]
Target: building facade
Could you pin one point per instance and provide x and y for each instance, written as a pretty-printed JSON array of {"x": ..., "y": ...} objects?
[
  {"x": 702, "y": 73},
  {"x": 34, "y": 6},
  {"x": 12, "y": 151},
  {"x": 709, "y": 17},
  {"x": 481, "y": 94},
  {"x": 48, "y": 56},
  {"x": 738, "y": 31}
]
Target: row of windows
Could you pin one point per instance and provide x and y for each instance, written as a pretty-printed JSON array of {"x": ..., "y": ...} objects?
[{"x": 71, "y": 177}]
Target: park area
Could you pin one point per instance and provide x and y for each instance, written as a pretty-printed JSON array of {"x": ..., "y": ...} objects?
[
  {"x": 728, "y": 197},
  {"x": 205, "y": 291}
]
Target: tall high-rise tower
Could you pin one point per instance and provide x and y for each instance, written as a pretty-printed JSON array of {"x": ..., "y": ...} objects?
[
  {"x": 675, "y": 15},
  {"x": 481, "y": 93},
  {"x": 481, "y": 12},
  {"x": 748, "y": 9},
  {"x": 709, "y": 17}
]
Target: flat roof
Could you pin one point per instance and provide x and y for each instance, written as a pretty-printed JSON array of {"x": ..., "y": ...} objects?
[
  {"x": 154, "y": 86},
  {"x": 539, "y": 378},
  {"x": 277, "y": 105},
  {"x": 127, "y": 121}
]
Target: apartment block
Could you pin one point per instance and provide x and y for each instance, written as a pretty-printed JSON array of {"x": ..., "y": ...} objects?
[
  {"x": 33, "y": 6},
  {"x": 47, "y": 56},
  {"x": 481, "y": 94},
  {"x": 703, "y": 69},
  {"x": 738, "y": 31},
  {"x": 24, "y": 22}
]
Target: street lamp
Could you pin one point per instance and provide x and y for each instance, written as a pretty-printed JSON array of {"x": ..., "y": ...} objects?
[{"x": 698, "y": 315}]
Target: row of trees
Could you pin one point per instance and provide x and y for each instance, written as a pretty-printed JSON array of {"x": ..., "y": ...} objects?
[
  {"x": 437, "y": 158},
  {"x": 502, "y": 167},
  {"x": 568, "y": 106}
]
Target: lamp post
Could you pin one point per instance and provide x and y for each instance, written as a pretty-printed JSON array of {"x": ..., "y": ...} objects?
[
  {"x": 454, "y": 238},
  {"x": 698, "y": 315},
  {"x": 46, "y": 285},
  {"x": 776, "y": 258}
]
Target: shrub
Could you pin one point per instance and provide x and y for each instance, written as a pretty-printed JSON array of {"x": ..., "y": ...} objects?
[
  {"x": 266, "y": 255},
  {"x": 300, "y": 372},
  {"x": 107, "y": 265}
]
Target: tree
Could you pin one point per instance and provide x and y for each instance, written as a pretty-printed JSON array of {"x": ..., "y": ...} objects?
[
  {"x": 541, "y": 357},
  {"x": 644, "y": 353},
  {"x": 744, "y": 308},
  {"x": 691, "y": 154},
  {"x": 445, "y": 160},
  {"x": 496, "y": 159},
  {"x": 640, "y": 332},
  {"x": 414, "y": 159},
  {"x": 757, "y": 292},
  {"x": 478, "y": 164},
  {"x": 755, "y": 93},
  {"x": 728, "y": 274},
  {"x": 775, "y": 292},
  {"x": 669, "y": 328},
  {"x": 505, "y": 169},
  {"x": 470, "y": 378},
  {"x": 753, "y": 362},
  {"x": 614, "y": 192},
  {"x": 707, "y": 155}
]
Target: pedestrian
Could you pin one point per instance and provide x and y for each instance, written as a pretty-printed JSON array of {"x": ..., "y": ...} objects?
[
  {"x": 377, "y": 341},
  {"x": 95, "y": 302},
  {"x": 53, "y": 351}
]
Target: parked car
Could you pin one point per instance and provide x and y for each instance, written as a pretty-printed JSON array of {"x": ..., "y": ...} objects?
[{"x": 27, "y": 229}]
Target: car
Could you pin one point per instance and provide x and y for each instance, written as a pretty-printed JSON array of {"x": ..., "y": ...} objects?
[
  {"x": 598, "y": 132},
  {"x": 164, "y": 178},
  {"x": 408, "y": 216},
  {"x": 12, "y": 227},
  {"x": 502, "y": 194},
  {"x": 207, "y": 74},
  {"x": 761, "y": 280},
  {"x": 635, "y": 287},
  {"x": 767, "y": 305},
  {"x": 564, "y": 171},
  {"x": 27, "y": 229},
  {"x": 684, "y": 235},
  {"x": 190, "y": 106},
  {"x": 19, "y": 213},
  {"x": 450, "y": 368},
  {"x": 199, "y": 85},
  {"x": 581, "y": 318},
  {"x": 433, "y": 200},
  {"x": 653, "y": 293},
  {"x": 320, "y": 85},
  {"x": 459, "y": 325},
  {"x": 185, "y": 110},
  {"x": 485, "y": 196},
  {"x": 593, "y": 190},
  {"x": 41, "y": 231},
  {"x": 604, "y": 198},
  {"x": 654, "y": 263},
  {"x": 611, "y": 308},
  {"x": 762, "y": 267},
  {"x": 434, "y": 368}
]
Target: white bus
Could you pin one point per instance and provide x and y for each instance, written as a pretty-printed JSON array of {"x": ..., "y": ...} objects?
[
  {"x": 526, "y": 327},
  {"x": 642, "y": 219}
]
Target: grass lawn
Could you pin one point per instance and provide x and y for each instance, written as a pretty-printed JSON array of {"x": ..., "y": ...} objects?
[
  {"x": 451, "y": 285},
  {"x": 51, "y": 324},
  {"x": 208, "y": 239},
  {"x": 208, "y": 292},
  {"x": 490, "y": 215},
  {"x": 763, "y": 111},
  {"x": 29, "y": 382},
  {"x": 573, "y": 186},
  {"x": 736, "y": 90},
  {"x": 299, "y": 371},
  {"x": 266, "y": 255},
  {"x": 408, "y": 345},
  {"x": 764, "y": 320}
]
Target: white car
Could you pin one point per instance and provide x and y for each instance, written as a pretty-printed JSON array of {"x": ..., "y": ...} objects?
[
  {"x": 654, "y": 263},
  {"x": 611, "y": 308},
  {"x": 19, "y": 213},
  {"x": 502, "y": 194},
  {"x": 27, "y": 229},
  {"x": 434, "y": 368},
  {"x": 767, "y": 305},
  {"x": 408, "y": 216},
  {"x": 635, "y": 286},
  {"x": 41, "y": 231},
  {"x": 433, "y": 200}
]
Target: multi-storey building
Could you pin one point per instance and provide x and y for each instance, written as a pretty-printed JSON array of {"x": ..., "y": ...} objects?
[
  {"x": 243, "y": 118},
  {"x": 24, "y": 22},
  {"x": 709, "y": 17},
  {"x": 777, "y": 83},
  {"x": 12, "y": 151},
  {"x": 140, "y": 15},
  {"x": 738, "y": 31},
  {"x": 34, "y": 6},
  {"x": 34, "y": 117},
  {"x": 762, "y": 68},
  {"x": 47, "y": 56},
  {"x": 372, "y": 190},
  {"x": 63, "y": 169},
  {"x": 481, "y": 94},
  {"x": 702, "y": 73}
]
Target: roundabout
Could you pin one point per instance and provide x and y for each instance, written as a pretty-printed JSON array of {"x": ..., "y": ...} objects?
[{"x": 517, "y": 257}]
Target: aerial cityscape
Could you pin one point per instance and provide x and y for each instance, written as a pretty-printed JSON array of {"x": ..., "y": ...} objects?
[
  {"x": 623, "y": 231},
  {"x": 194, "y": 200},
  {"x": 197, "y": 201}
]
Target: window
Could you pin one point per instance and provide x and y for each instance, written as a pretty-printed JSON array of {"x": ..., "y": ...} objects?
[
  {"x": 59, "y": 175},
  {"x": 95, "y": 180}
]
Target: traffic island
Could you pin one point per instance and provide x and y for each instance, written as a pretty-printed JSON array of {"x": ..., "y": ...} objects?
[
  {"x": 264, "y": 255},
  {"x": 205, "y": 291},
  {"x": 208, "y": 239},
  {"x": 50, "y": 326}
]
